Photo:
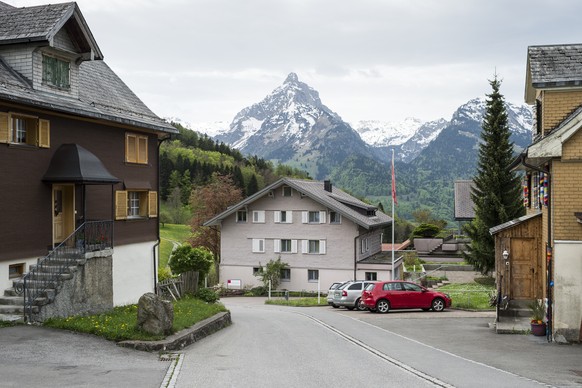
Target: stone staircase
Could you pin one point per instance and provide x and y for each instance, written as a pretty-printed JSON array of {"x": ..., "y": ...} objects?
[
  {"x": 12, "y": 305},
  {"x": 516, "y": 309}
]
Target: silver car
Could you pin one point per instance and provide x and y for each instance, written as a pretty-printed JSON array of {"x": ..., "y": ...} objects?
[
  {"x": 330, "y": 292},
  {"x": 349, "y": 295}
]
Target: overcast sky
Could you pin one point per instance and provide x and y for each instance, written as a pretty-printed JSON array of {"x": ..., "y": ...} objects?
[{"x": 205, "y": 60}]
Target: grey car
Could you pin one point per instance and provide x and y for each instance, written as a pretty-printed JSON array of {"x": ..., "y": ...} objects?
[
  {"x": 348, "y": 295},
  {"x": 330, "y": 292}
]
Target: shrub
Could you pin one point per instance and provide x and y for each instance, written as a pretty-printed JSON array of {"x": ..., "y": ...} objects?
[
  {"x": 485, "y": 280},
  {"x": 185, "y": 258},
  {"x": 207, "y": 295},
  {"x": 164, "y": 273},
  {"x": 425, "y": 230}
]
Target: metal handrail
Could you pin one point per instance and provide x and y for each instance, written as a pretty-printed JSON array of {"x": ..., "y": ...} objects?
[
  {"x": 46, "y": 274},
  {"x": 433, "y": 271}
]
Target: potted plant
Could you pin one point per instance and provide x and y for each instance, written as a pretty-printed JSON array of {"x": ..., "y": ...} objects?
[{"x": 538, "y": 311}]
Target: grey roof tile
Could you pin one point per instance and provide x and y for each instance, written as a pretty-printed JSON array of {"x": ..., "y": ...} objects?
[
  {"x": 336, "y": 200},
  {"x": 510, "y": 224},
  {"x": 555, "y": 65},
  {"x": 32, "y": 23},
  {"x": 464, "y": 206}
]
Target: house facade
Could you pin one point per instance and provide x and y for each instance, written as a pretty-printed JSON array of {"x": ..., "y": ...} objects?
[
  {"x": 322, "y": 233},
  {"x": 553, "y": 177},
  {"x": 78, "y": 150}
]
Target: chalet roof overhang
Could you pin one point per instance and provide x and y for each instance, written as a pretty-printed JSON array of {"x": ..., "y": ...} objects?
[
  {"x": 72, "y": 163},
  {"x": 331, "y": 201},
  {"x": 550, "y": 146},
  {"x": 513, "y": 223}
]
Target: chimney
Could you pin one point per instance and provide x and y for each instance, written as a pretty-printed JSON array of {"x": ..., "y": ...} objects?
[{"x": 327, "y": 185}]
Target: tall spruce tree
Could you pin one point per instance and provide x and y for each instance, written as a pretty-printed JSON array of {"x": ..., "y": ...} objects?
[{"x": 497, "y": 190}]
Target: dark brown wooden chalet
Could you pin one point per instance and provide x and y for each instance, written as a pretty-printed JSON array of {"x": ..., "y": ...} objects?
[{"x": 77, "y": 148}]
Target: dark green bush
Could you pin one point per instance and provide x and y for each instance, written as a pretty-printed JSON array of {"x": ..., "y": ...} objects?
[
  {"x": 425, "y": 231},
  {"x": 207, "y": 295}
]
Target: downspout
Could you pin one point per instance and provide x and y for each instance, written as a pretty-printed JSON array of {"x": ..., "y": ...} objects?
[
  {"x": 355, "y": 255},
  {"x": 157, "y": 244},
  {"x": 549, "y": 281}
]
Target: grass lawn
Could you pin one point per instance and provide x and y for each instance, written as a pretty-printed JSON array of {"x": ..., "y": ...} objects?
[
  {"x": 299, "y": 302},
  {"x": 170, "y": 233},
  {"x": 120, "y": 323},
  {"x": 469, "y": 295}
]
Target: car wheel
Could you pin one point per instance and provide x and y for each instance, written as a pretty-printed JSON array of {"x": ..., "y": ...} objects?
[
  {"x": 350, "y": 307},
  {"x": 335, "y": 306},
  {"x": 361, "y": 305},
  {"x": 438, "y": 305},
  {"x": 383, "y": 306}
]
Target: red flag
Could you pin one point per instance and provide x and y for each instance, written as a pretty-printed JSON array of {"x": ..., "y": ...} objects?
[{"x": 393, "y": 183}]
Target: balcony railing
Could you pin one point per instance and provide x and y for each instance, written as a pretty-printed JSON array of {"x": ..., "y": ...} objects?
[{"x": 40, "y": 282}]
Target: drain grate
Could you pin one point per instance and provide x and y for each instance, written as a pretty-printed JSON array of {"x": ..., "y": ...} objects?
[{"x": 169, "y": 356}]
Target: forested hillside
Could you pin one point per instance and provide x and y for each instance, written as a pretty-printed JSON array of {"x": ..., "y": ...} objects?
[{"x": 190, "y": 159}]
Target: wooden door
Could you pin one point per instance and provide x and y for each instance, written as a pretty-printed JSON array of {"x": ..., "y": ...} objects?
[
  {"x": 63, "y": 212},
  {"x": 522, "y": 259}
]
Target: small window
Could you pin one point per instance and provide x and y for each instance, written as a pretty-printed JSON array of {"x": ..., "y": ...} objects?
[
  {"x": 136, "y": 204},
  {"x": 55, "y": 72},
  {"x": 241, "y": 216},
  {"x": 257, "y": 270},
  {"x": 314, "y": 217},
  {"x": 335, "y": 218},
  {"x": 23, "y": 129},
  {"x": 15, "y": 270},
  {"x": 283, "y": 216},
  {"x": 258, "y": 245},
  {"x": 286, "y": 275},
  {"x": 259, "y": 216},
  {"x": 287, "y": 191},
  {"x": 365, "y": 247},
  {"x": 313, "y": 246},
  {"x": 371, "y": 276},
  {"x": 312, "y": 275},
  {"x": 286, "y": 246},
  {"x": 136, "y": 148}
]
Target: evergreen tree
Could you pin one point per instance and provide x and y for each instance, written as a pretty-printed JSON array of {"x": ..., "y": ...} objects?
[
  {"x": 253, "y": 185},
  {"x": 497, "y": 191}
]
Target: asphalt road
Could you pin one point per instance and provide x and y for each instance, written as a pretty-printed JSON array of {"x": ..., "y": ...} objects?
[
  {"x": 322, "y": 347},
  {"x": 273, "y": 346}
]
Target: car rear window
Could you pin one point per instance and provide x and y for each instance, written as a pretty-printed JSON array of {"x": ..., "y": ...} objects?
[{"x": 370, "y": 287}]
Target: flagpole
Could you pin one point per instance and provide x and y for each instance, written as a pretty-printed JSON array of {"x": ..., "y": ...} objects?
[{"x": 393, "y": 219}]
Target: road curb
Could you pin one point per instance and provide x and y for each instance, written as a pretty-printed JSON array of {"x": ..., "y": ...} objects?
[{"x": 184, "y": 337}]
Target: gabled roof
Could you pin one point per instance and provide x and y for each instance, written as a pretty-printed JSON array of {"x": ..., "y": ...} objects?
[
  {"x": 41, "y": 23},
  {"x": 464, "y": 206},
  {"x": 552, "y": 66},
  {"x": 336, "y": 200},
  {"x": 102, "y": 94}
]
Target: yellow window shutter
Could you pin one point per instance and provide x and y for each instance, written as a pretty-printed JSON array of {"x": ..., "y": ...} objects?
[
  {"x": 44, "y": 133},
  {"x": 130, "y": 149},
  {"x": 153, "y": 204},
  {"x": 120, "y": 205},
  {"x": 142, "y": 150},
  {"x": 4, "y": 127}
]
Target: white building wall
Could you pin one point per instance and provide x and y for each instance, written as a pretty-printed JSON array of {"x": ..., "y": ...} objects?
[
  {"x": 5, "y": 281},
  {"x": 133, "y": 272},
  {"x": 568, "y": 289},
  {"x": 238, "y": 260}
]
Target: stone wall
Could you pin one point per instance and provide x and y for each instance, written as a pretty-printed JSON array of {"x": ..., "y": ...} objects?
[{"x": 90, "y": 291}]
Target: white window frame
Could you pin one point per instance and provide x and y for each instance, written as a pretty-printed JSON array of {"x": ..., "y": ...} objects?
[
  {"x": 278, "y": 246},
  {"x": 306, "y": 246},
  {"x": 307, "y": 219},
  {"x": 258, "y": 216},
  {"x": 286, "y": 190},
  {"x": 283, "y": 216},
  {"x": 364, "y": 245},
  {"x": 258, "y": 245}
]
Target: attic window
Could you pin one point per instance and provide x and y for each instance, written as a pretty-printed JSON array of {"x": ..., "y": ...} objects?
[{"x": 55, "y": 72}]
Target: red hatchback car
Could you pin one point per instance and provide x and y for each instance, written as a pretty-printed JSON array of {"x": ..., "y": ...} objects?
[{"x": 396, "y": 294}]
